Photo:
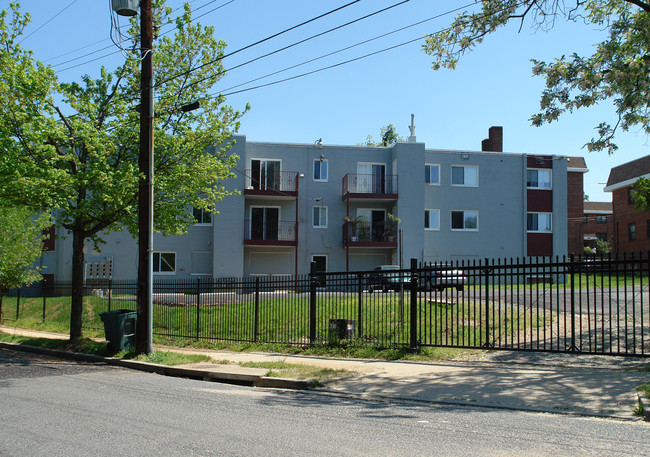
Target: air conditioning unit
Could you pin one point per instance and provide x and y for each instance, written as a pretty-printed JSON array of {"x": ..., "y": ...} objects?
[{"x": 126, "y": 7}]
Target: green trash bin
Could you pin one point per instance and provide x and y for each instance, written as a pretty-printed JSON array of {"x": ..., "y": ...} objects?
[{"x": 119, "y": 328}]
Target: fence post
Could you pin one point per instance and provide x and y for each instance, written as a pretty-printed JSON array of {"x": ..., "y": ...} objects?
[
  {"x": 359, "y": 307},
  {"x": 110, "y": 293},
  {"x": 414, "y": 343},
  {"x": 486, "y": 270},
  {"x": 44, "y": 299},
  {"x": 257, "y": 309},
  {"x": 312, "y": 303},
  {"x": 572, "y": 267},
  {"x": 18, "y": 304},
  {"x": 198, "y": 307}
]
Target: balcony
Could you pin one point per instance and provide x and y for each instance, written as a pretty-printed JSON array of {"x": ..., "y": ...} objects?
[
  {"x": 271, "y": 184},
  {"x": 269, "y": 233},
  {"x": 369, "y": 186},
  {"x": 368, "y": 235}
]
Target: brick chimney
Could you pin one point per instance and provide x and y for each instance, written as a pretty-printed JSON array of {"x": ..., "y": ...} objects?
[{"x": 494, "y": 142}]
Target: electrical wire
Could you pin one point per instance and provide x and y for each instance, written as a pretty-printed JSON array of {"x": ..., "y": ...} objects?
[
  {"x": 48, "y": 21},
  {"x": 171, "y": 78},
  {"x": 121, "y": 48},
  {"x": 301, "y": 42},
  {"x": 329, "y": 54}
]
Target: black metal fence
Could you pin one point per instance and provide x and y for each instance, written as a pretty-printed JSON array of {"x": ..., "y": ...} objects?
[{"x": 582, "y": 305}]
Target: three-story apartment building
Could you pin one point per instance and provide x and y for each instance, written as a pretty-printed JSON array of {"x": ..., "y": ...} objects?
[{"x": 355, "y": 207}]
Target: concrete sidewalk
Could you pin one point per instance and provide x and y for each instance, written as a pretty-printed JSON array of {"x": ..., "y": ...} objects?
[{"x": 557, "y": 383}]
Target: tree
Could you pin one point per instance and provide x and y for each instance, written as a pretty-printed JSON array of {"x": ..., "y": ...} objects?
[
  {"x": 619, "y": 70},
  {"x": 85, "y": 164},
  {"x": 21, "y": 244},
  {"x": 388, "y": 136}
]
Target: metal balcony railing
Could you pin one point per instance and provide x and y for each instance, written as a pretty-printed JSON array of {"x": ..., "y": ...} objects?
[{"x": 369, "y": 184}]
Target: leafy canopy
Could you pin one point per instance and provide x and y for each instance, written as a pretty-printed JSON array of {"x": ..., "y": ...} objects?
[
  {"x": 85, "y": 164},
  {"x": 21, "y": 244},
  {"x": 619, "y": 69}
]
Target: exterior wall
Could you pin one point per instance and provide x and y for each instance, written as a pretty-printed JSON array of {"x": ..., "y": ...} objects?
[
  {"x": 222, "y": 249},
  {"x": 592, "y": 226},
  {"x": 625, "y": 213},
  {"x": 499, "y": 200},
  {"x": 575, "y": 228}
]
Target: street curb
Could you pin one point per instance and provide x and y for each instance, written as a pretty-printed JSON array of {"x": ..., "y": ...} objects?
[
  {"x": 469, "y": 404},
  {"x": 166, "y": 370}
]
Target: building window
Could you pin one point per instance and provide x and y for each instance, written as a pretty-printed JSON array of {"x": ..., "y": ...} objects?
[
  {"x": 630, "y": 195},
  {"x": 648, "y": 229},
  {"x": 538, "y": 179},
  {"x": 320, "y": 217},
  {"x": 539, "y": 222},
  {"x": 601, "y": 236},
  {"x": 202, "y": 216},
  {"x": 585, "y": 219},
  {"x": 432, "y": 174},
  {"x": 631, "y": 232},
  {"x": 601, "y": 219},
  {"x": 464, "y": 220},
  {"x": 466, "y": 176},
  {"x": 320, "y": 170},
  {"x": 265, "y": 174},
  {"x": 164, "y": 262},
  {"x": 432, "y": 219}
]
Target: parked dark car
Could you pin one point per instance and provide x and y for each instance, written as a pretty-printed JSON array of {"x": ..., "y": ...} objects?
[{"x": 388, "y": 277}]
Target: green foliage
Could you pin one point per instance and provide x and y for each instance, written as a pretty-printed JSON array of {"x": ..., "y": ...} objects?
[
  {"x": 619, "y": 69},
  {"x": 21, "y": 244},
  {"x": 388, "y": 136},
  {"x": 603, "y": 247},
  {"x": 74, "y": 146}
]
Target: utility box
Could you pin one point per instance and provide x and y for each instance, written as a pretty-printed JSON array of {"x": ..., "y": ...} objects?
[
  {"x": 126, "y": 7},
  {"x": 119, "y": 329}
]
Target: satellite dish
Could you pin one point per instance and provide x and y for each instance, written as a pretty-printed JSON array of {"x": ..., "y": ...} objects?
[{"x": 126, "y": 7}]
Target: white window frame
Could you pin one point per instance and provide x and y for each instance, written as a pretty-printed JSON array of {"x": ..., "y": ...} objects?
[
  {"x": 538, "y": 230},
  {"x": 327, "y": 260},
  {"x": 550, "y": 178},
  {"x": 313, "y": 218},
  {"x": 204, "y": 212},
  {"x": 428, "y": 213},
  {"x": 427, "y": 168},
  {"x": 249, "y": 179},
  {"x": 465, "y": 168},
  {"x": 320, "y": 170},
  {"x": 464, "y": 229},
  {"x": 160, "y": 254}
]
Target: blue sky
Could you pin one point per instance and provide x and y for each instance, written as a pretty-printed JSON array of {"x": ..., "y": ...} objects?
[{"x": 493, "y": 85}]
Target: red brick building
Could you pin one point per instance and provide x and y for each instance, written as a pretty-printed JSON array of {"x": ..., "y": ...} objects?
[
  {"x": 598, "y": 223},
  {"x": 576, "y": 167},
  {"x": 631, "y": 226}
]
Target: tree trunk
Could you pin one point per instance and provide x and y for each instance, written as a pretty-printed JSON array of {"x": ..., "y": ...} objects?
[{"x": 76, "y": 309}]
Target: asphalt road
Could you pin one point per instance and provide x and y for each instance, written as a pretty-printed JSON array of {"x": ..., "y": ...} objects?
[{"x": 52, "y": 408}]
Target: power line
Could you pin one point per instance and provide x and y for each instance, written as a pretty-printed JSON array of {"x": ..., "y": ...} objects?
[
  {"x": 171, "y": 78},
  {"x": 329, "y": 54},
  {"x": 48, "y": 21},
  {"x": 120, "y": 50},
  {"x": 344, "y": 62}
]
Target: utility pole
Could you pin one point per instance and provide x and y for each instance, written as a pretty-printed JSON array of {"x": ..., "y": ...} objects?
[{"x": 143, "y": 343}]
